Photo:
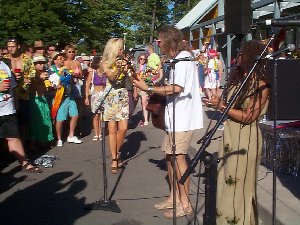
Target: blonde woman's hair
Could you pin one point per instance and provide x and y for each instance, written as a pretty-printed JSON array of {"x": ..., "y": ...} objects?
[{"x": 111, "y": 51}]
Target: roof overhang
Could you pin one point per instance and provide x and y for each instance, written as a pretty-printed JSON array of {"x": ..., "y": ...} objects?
[{"x": 196, "y": 14}]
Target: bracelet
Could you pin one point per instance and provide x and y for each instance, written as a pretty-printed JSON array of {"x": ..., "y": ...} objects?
[{"x": 150, "y": 90}]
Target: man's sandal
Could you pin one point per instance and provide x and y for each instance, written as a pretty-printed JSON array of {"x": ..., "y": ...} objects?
[
  {"x": 180, "y": 212},
  {"x": 164, "y": 205}
]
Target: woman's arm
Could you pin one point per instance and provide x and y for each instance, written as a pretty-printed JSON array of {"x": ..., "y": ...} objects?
[
  {"x": 88, "y": 84},
  {"x": 248, "y": 115},
  {"x": 110, "y": 73}
]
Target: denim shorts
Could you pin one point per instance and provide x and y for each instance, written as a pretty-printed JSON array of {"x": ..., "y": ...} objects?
[{"x": 67, "y": 108}]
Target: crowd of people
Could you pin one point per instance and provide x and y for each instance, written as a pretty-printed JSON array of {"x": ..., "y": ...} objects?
[{"x": 42, "y": 87}]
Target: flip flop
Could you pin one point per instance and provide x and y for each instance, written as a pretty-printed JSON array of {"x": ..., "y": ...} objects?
[{"x": 95, "y": 138}]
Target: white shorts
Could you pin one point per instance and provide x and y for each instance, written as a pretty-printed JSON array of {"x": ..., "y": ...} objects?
[{"x": 210, "y": 81}]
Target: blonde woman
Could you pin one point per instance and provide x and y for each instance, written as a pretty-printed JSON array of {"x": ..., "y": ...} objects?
[{"x": 116, "y": 103}]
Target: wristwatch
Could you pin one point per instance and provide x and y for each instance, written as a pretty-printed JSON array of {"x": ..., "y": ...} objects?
[{"x": 150, "y": 90}]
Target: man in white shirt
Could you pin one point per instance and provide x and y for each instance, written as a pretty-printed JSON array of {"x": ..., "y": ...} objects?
[{"x": 183, "y": 87}]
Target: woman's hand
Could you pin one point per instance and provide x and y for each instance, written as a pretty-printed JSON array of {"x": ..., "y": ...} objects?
[
  {"x": 4, "y": 86},
  {"x": 214, "y": 102},
  {"x": 44, "y": 75},
  {"x": 86, "y": 101}
]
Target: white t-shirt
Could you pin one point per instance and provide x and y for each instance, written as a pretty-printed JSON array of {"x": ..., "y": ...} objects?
[
  {"x": 7, "y": 106},
  {"x": 212, "y": 65},
  {"x": 188, "y": 105}
]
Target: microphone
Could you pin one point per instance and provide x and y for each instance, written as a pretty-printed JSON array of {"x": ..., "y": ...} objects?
[
  {"x": 290, "y": 48},
  {"x": 141, "y": 49},
  {"x": 279, "y": 22},
  {"x": 180, "y": 59}
]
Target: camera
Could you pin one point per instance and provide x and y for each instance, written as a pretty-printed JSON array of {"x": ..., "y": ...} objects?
[{"x": 45, "y": 68}]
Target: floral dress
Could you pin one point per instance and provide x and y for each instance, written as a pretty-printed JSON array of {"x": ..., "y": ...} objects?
[
  {"x": 116, "y": 103},
  {"x": 236, "y": 181}
]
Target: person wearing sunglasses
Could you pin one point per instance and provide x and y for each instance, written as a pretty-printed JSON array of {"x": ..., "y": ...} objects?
[
  {"x": 23, "y": 68},
  {"x": 183, "y": 91},
  {"x": 64, "y": 105},
  {"x": 41, "y": 133},
  {"x": 74, "y": 65},
  {"x": 141, "y": 69},
  {"x": 39, "y": 47}
]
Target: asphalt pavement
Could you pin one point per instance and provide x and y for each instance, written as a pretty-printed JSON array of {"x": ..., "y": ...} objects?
[{"x": 61, "y": 194}]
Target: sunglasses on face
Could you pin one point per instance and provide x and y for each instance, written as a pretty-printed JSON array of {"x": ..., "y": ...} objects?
[
  {"x": 51, "y": 50},
  {"x": 158, "y": 42},
  {"x": 142, "y": 59},
  {"x": 71, "y": 51}
]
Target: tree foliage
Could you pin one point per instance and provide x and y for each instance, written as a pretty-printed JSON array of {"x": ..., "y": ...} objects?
[
  {"x": 182, "y": 7},
  {"x": 86, "y": 23}
]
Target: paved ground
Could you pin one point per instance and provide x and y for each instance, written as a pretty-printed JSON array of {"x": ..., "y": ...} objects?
[{"x": 59, "y": 195}]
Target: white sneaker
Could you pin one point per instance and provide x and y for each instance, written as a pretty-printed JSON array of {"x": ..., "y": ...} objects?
[
  {"x": 59, "y": 143},
  {"x": 74, "y": 140},
  {"x": 146, "y": 123}
]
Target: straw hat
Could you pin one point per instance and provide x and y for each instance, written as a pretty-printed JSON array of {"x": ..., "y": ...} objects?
[{"x": 38, "y": 58}]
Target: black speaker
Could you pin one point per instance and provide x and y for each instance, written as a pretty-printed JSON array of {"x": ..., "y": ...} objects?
[
  {"x": 237, "y": 16},
  {"x": 288, "y": 89}
]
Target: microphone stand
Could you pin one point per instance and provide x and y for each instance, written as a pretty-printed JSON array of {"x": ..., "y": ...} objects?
[
  {"x": 173, "y": 161},
  {"x": 207, "y": 140},
  {"x": 104, "y": 204}
]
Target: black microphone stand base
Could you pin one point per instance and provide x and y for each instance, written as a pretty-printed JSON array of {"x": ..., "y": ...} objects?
[{"x": 105, "y": 205}]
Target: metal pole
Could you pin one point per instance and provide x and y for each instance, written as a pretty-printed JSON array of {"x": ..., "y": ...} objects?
[{"x": 124, "y": 45}]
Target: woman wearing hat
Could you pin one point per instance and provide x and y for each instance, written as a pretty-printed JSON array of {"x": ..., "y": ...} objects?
[{"x": 40, "y": 122}]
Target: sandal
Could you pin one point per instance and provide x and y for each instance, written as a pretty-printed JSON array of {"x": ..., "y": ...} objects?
[
  {"x": 114, "y": 169},
  {"x": 120, "y": 163},
  {"x": 180, "y": 212},
  {"x": 95, "y": 138},
  {"x": 100, "y": 137},
  {"x": 29, "y": 168},
  {"x": 164, "y": 205}
]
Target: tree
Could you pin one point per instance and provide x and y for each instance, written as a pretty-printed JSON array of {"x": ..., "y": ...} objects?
[
  {"x": 181, "y": 8},
  {"x": 86, "y": 23}
]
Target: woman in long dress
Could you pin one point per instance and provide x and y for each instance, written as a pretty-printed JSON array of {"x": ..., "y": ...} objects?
[{"x": 242, "y": 140}]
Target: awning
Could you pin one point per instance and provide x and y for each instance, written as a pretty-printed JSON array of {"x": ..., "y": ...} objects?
[{"x": 197, "y": 13}]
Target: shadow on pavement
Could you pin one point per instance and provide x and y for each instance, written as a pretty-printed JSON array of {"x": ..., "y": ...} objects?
[
  {"x": 51, "y": 201},
  {"x": 131, "y": 147}
]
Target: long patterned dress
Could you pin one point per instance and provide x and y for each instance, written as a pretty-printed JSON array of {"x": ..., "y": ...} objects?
[{"x": 236, "y": 182}]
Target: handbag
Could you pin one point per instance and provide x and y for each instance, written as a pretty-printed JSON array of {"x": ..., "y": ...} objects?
[
  {"x": 91, "y": 91},
  {"x": 156, "y": 106}
]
